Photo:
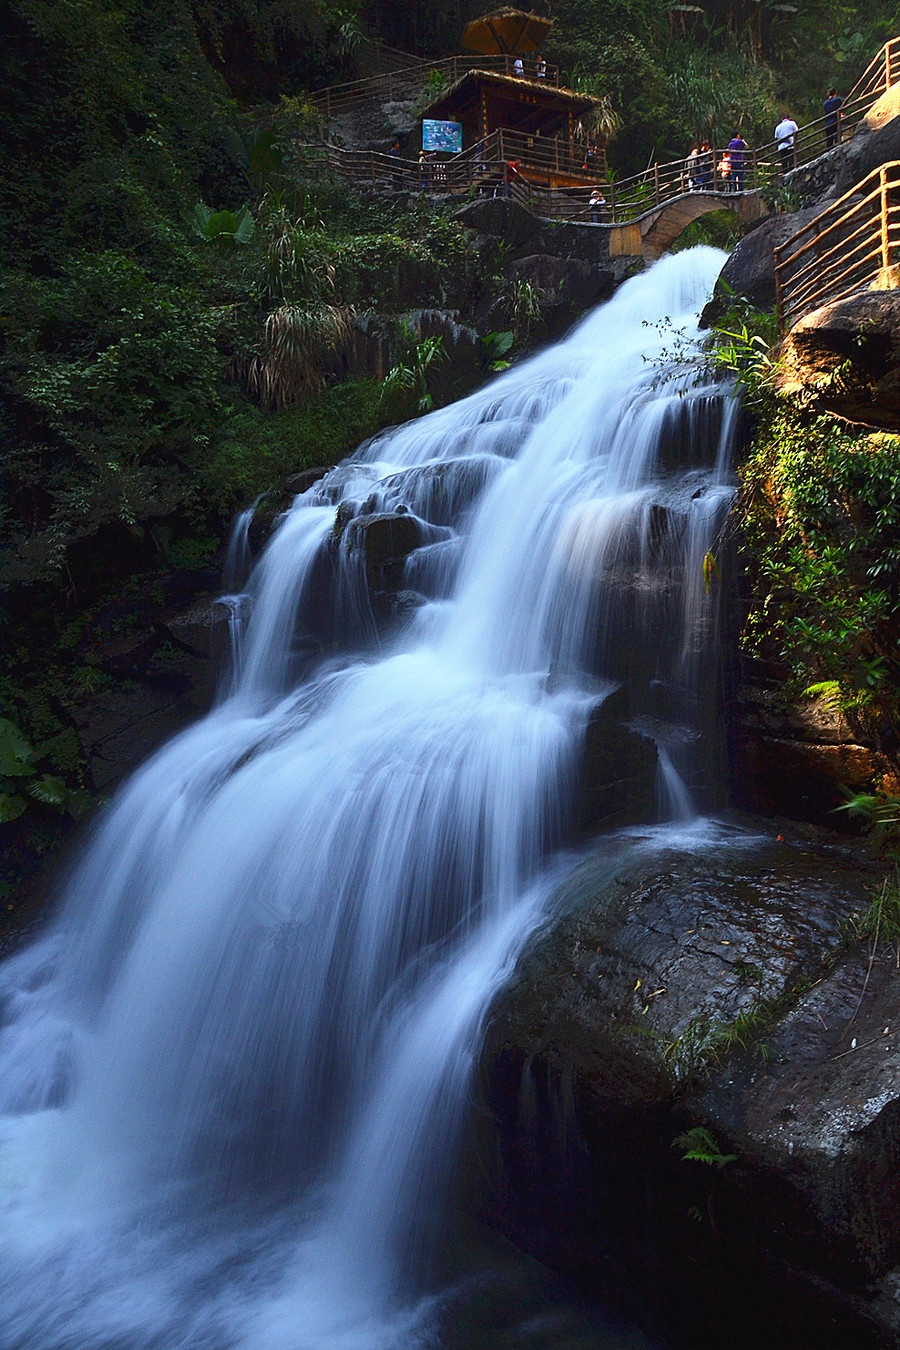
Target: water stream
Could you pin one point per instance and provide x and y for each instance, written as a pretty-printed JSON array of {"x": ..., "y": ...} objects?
[{"x": 234, "y": 1073}]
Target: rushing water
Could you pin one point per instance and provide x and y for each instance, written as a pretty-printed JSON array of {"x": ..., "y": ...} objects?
[{"x": 234, "y": 1075}]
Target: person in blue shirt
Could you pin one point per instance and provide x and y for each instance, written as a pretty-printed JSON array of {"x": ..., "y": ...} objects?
[
  {"x": 832, "y": 118},
  {"x": 736, "y": 147}
]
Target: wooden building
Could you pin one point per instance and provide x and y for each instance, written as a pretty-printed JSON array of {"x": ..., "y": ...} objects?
[{"x": 531, "y": 121}]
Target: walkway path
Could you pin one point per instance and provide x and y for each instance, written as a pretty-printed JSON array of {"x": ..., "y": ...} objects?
[{"x": 657, "y": 203}]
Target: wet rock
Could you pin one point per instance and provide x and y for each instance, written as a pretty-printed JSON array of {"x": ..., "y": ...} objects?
[
  {"x": 845, "y": 358},
  {"x": 618, "y": 770},
  {"x": 385, "y": 539},
  {"x": 637, "y": 1016},
  {"x": 202, "y": 629},
  {"x": 301, "y": 482},
  {"x": 440, "y": 492}
]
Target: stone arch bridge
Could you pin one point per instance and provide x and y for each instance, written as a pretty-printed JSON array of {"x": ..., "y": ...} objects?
[{"x": 653, "y": 232}]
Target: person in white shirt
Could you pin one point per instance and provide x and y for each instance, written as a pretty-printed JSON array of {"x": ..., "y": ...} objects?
[
  {"x": 784, "y": 135},
  {"x": 519, "y": 67}
]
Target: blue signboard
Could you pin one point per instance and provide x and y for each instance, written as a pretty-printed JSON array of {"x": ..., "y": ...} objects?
[{"x": 446, "y": 136}]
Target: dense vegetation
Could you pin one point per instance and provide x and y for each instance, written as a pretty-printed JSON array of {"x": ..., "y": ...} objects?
[
  {"x": 819, "y": 511},
  {"x": 180, "y": 297}
]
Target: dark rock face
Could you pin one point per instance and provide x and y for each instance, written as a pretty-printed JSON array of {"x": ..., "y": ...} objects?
[
  {"x": 623, "y": 1027},
  {"x": 845, "y": 359},
  {"x": 750, "y": 269},
  {"x": 618, "y": 769},
  {"x": 795, "y": 764},
  {"x": 385, "y": 540},
  {"x": 568, "y": 286},
  {"x": 500, "y": 217}
]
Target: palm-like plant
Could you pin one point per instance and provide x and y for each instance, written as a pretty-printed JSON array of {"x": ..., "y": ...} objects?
[
  {"x": 296, "y": 337},
  {"x": 303, "y": 326}
]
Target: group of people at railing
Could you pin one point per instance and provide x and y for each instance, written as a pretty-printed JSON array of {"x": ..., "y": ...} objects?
[{"x": 703, "y": 172}]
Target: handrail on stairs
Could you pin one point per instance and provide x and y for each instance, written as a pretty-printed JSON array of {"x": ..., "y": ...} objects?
[{"x": 849, "y": 246}]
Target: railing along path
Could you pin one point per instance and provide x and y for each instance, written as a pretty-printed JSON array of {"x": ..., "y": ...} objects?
[
  {"x": 485, "y": 170},
  {"x": 843, "y": 250},
  {"x": 399, "y": 84}
]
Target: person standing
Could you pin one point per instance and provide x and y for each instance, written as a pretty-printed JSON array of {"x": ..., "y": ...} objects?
[
  {"x": 707, "y": 165},
  {"x": 519, "y": 67},
  {"x": 692, "y": 169},
  {"x": 831, "y": 108},
  {"x": 540, "y": 68},
  {"x": 597, "y": 202},
  {"x": 736, "y": 148},
  {"x": 785, "y": 133}
]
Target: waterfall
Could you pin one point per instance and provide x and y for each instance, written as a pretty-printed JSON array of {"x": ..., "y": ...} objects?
[{"x": 236, "y": 1068}]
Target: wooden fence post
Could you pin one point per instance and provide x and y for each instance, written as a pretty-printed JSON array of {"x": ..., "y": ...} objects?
[{"x": 779, "y": 288}]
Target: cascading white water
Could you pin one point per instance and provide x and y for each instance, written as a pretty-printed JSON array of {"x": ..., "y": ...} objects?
[{"x": 234, "y": 1073}]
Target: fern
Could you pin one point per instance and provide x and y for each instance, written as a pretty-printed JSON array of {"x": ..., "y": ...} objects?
[{"x": 701, "y": 1145}]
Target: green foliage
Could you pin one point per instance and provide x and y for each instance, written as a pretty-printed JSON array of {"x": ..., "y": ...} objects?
[
  {"x": 820, "y": 508},
  {"x": 21, "y": 780},
  {"x": 496, "y": 346},
  {"x": 406, "y": 383},
  {"x": 252, "y": 450},
  {"x": 719, "y": 229},
  {"x": 224, "y": 228},
  {"x": 741, "y": 342},
  {"x": 881, "y": 814},
  {"x": 881, "y": 921},
  {"x": 700, "y": 1145},
  {"x": 704, "y": 1044}
]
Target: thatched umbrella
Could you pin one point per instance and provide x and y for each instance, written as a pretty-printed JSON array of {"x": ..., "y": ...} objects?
[{"x": 506, "y": 31}]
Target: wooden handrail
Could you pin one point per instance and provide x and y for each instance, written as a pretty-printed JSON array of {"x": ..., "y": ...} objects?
[
  {"x": 843, "y": 249},
  {"x": 338, "y": 97},
  {"x": 881, "y": 73}
]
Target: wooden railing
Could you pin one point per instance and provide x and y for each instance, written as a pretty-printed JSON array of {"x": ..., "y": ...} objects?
[
  {"x": 626, "y": 199},
  {"x": 843, "y": 249},
  {"x": 882, "y": 72},
  {"x": 400, "y": 84}
]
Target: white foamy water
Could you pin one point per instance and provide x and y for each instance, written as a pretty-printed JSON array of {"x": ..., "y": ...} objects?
[{"x": 234, "y": 1075}]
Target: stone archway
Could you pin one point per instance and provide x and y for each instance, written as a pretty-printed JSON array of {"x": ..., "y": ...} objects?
[
  {"x": 661, "y": 225},
  {"x": 657, "y": 228}
]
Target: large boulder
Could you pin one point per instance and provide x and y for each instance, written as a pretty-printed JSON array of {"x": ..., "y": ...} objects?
[
  {"x": 797, "y": 763},
  {"x": 385, "y": 539},
  {"x": 845, "y": 359},
  {"x": 570, "y": 283},
  {"x": 707, "y": 988},
  {"x": 750, "y": 269},
  {"x": 500, "y": 217}
]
